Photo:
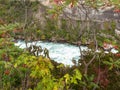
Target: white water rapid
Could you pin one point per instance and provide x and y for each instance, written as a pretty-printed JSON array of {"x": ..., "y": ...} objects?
[{"x": 61, "y": 53}]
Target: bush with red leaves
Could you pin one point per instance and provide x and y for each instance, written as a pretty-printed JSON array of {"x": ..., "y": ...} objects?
[
  {"x": 58, "y": 1},
  {"x": 6, "y": 72},
  {"x": 102, "y": 77},
  {"x": 5, "y": 57},
  {"x": 116, "y": 11}
]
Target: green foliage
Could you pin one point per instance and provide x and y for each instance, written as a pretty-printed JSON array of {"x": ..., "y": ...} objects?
[
  {"x": 112, "y": 63},
  {"x": 18, "y": 67},
  {"x": 9, "y": 27},
  {"x": 89, "y": 82},
  {"x": 21, "y": 70},
  {"x": 47, "y": 83},
  {"x": 14, "y": 10}
]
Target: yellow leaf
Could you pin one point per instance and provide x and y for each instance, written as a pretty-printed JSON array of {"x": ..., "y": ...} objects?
[{"x": 15, "y": 65}]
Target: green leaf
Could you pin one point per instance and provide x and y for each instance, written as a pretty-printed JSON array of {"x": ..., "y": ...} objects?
[
  {"x": 77, "y": 74},
  {"x": 60, "y": 66},
  {"x": 67, "y": 78}
]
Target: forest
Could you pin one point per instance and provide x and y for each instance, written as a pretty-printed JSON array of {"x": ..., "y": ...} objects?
[{"x": 59, "y": 44}]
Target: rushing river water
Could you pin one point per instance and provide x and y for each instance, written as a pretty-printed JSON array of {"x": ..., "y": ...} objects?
[{"x": 61, "y": 53}]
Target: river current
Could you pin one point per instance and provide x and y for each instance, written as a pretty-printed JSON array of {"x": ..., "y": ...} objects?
[{"x": 59, "y": 52}]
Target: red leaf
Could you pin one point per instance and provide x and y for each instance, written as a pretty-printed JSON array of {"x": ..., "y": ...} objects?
[
  {"x": 58, "y": 1},
  {"x": 116, "y": 47},
  {"x": 117, "y": 11},
  {"x": 7, "y": 72},
  {"x": 118, "y": 54}
]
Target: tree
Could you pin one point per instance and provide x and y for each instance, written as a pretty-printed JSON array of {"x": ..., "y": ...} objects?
[{"x": 88, "y": 12}]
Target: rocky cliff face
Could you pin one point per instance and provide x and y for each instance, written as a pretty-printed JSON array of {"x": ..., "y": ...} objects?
[{"x": 80, "y": 13}]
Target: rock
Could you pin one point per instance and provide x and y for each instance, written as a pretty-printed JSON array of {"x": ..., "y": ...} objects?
[
  {"x": 53, "y": 39},
  {"x": 62, "y": 40},
  {"x": 117, "y": 32}
]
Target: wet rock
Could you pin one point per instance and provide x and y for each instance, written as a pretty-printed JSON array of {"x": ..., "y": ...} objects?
[{"x": 53, "y": 39}]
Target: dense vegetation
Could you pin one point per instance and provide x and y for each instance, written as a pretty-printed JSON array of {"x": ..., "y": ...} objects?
[{"x": 22, "y": 70}]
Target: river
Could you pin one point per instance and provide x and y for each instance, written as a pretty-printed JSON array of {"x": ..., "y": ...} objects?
[{"x": 59, "y": 52}]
